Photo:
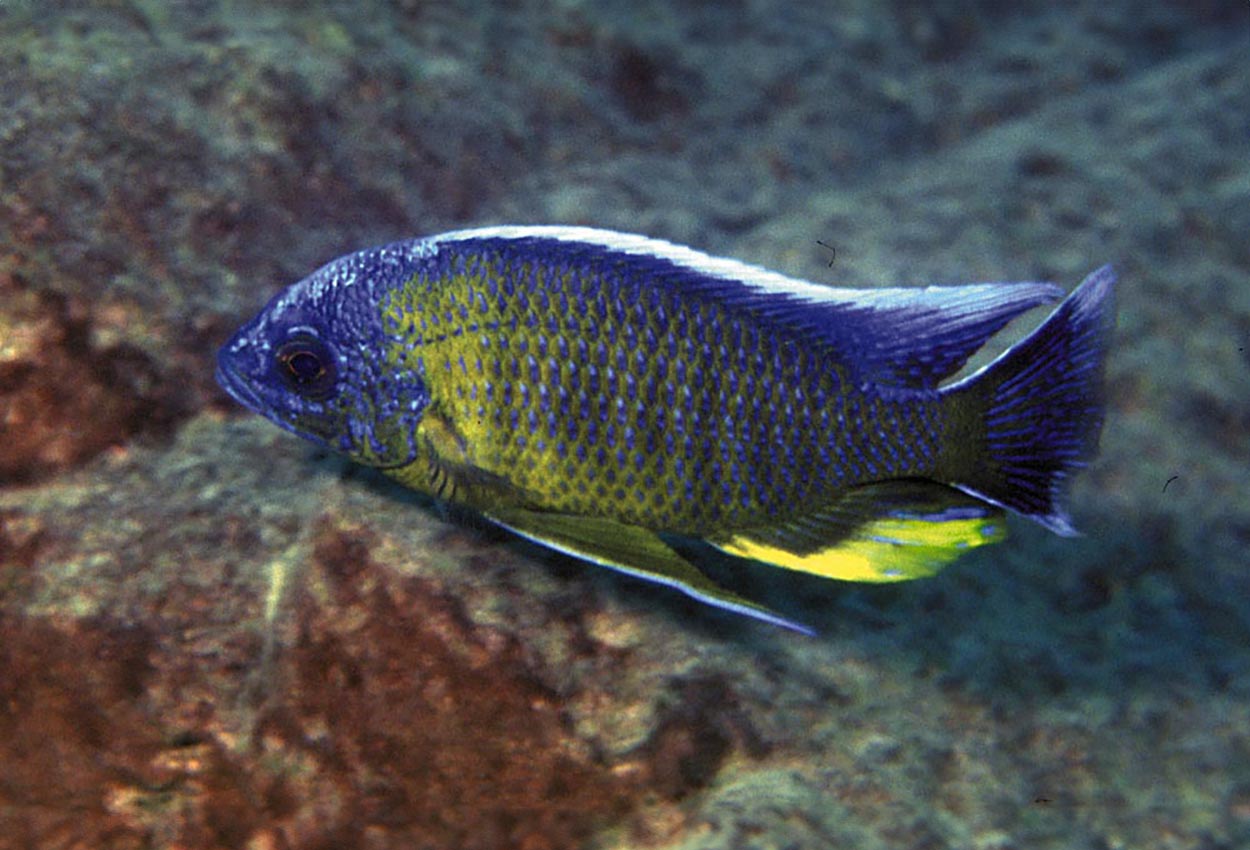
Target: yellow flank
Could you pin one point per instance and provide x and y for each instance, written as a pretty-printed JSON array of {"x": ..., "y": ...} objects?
[
  {"x": 567, "y": 402},
  {"x": 884, "y": 550}
]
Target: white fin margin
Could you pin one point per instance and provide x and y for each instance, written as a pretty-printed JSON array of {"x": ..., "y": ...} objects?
[{"x": 720, "y": 268}]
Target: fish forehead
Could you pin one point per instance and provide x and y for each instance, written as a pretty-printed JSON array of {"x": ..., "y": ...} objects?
[{"x": 363, "y": 270}]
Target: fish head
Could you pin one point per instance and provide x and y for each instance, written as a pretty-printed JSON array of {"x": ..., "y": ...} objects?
[{"x": 313, "y": 362}]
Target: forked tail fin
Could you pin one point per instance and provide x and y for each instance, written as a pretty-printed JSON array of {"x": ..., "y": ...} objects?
[{"x": 1032, "y": 417}]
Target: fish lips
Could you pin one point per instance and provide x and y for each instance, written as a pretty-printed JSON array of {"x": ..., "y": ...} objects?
[{"x": 232, "y": 380}]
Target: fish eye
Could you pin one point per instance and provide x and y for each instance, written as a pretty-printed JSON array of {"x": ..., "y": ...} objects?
[{"x": 306, "y": 365}]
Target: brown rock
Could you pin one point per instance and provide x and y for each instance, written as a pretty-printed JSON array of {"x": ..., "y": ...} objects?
[{"x": 62, "y": 400}]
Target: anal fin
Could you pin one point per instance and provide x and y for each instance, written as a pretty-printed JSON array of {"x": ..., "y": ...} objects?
[
  {"x": 632, "y": 550},
  {"x": 895, "y": 531}
]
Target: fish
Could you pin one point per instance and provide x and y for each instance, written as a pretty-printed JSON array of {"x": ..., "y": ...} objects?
[{"x": 628, "y": 401}]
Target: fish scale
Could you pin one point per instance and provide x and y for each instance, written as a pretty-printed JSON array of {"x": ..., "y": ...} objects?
[
  {"x": 602, "y": 392},
  {"x": 745, "y": 469}
]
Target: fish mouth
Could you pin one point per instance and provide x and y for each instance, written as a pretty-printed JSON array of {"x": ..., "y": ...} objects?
[{"x": 236, "y": 386}]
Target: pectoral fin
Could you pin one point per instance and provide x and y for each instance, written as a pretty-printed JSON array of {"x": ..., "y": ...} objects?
[
  {"x": 890, "y": 532},
  {"x": 632, "y": 550},
  {"x": 446, "y": 468}
]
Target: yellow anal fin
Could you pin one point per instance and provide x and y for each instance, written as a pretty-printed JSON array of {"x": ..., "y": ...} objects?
[
  {"x": 882, "y": 551},
  {"x": 632, "y": 550},
  {"x": 889, "y": 532}
]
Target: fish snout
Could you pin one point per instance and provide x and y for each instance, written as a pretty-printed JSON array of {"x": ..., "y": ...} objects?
[{"x": 233, "y": 379}]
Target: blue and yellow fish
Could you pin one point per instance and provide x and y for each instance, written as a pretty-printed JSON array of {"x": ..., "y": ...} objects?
[{"x": 603, "y": 393}]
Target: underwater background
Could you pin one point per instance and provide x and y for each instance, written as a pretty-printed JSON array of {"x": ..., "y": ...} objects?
[{"x": 212, "y": 636}]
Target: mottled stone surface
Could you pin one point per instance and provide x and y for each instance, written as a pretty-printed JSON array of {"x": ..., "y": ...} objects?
[{"x": 212, "y": 637}]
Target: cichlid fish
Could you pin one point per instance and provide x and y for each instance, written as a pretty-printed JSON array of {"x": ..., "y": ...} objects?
[{"x": 604, "y": 393}]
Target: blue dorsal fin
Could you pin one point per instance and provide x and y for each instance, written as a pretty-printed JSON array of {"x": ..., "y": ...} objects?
[
  {"x": 917, "y": 337},
  {"x": 905, "y": 337}
]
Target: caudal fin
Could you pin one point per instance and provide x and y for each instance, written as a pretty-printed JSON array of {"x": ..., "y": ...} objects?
[{"x": 1033, "y": 416}]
